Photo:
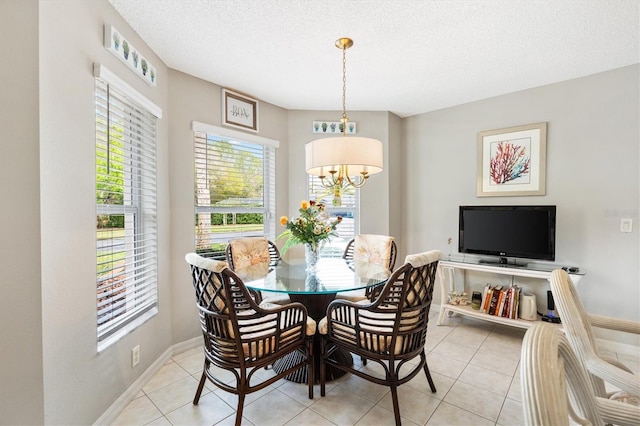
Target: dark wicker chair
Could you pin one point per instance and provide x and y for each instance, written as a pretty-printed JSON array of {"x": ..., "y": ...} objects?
[
  {"x": 348, "y": 252},
  {"x": 241, "y": 337},
  {"x": 274, "y": 253},
  {"x": 391, "y": 331},
  {"x": 372, "y": 292},
  {"x": 270, "y": 258}
]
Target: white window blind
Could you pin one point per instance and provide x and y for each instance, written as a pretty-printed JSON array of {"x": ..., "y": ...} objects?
[
  {"x": 126, "y": 213},
  {"x": 234, "y": 191},
  {"x": 349, "y": 210}
]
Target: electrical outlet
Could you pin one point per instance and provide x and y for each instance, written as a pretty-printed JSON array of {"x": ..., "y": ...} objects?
[
  {"x": 135, "y": 356},
  {"x": 626, "y": 225}
]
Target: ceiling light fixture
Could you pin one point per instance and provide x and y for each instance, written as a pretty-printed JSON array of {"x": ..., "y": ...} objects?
[{"x": 343, "y": 161}]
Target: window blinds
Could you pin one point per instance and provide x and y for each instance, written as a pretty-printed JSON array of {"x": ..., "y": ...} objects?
[
  {"x": 234, "y": 191},
  {"x": 126, "y": 213},
  {"x": 349, "y": 210}
]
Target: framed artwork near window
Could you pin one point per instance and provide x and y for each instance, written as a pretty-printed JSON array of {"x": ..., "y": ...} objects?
[
  {"x": 239, "y": 111},
  {"x": 512, "y": 161}
]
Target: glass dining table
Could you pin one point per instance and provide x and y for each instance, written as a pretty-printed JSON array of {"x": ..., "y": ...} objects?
[{"x": 315, "y": 290}]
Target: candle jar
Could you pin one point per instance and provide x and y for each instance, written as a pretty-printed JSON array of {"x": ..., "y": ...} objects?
[{"x": 476, "y": 300}]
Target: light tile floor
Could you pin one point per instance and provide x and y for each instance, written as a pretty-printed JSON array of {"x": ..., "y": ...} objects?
[{"x": 474, "y": 364}]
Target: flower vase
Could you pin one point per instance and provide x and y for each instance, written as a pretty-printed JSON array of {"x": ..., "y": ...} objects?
[{"x": 311, "y": 257}]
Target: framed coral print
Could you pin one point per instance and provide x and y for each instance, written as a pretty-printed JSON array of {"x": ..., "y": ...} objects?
[
  {"x": 239, "y": 111},
  {"x": 512, "y": 161}
]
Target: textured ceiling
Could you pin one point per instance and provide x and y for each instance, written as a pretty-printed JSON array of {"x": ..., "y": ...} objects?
[{"x": 408, "y": 57}]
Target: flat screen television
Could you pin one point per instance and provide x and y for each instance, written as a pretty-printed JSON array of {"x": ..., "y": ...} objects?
[{"x": 527, "y": 232}]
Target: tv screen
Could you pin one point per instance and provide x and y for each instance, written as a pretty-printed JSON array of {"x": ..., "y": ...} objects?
[{"x": 508, "y": 231}]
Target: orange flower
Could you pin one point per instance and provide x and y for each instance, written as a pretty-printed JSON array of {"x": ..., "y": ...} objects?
[
  {"x": 283, "y": 220},
  {"x": 304, "y": 204}
]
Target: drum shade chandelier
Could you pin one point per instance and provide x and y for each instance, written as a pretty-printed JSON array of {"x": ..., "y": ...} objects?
[{"x": 343, "y": 161}]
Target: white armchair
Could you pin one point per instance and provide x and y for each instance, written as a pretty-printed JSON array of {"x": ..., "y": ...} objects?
[{"x": 600, "y": 368}]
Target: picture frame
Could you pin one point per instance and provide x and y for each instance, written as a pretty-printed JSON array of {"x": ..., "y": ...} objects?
[
  {"x": 239, "y": 111},
  {"x": 512, "y": 161}
]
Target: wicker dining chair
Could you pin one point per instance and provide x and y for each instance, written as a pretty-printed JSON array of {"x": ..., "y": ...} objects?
[
  {"x": 391, "y": 331},
  {"x": 245, "y": 248},
  {"x": 549, "y": 372},
  {"x": 600, "y": 368},
  {"x": 252, "y": 257},
  {"x": 377, "y": 249},
  {"x": 242, "y": 337}
]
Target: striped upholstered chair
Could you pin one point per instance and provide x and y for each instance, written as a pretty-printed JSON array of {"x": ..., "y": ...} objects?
[{"x": 390, "y": 331}]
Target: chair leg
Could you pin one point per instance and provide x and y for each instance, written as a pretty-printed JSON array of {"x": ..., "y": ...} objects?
[
  {"x": 240, "y": 408},
  {"x": 203, "y": 379},
  {"x": 323, "y": 367},
  {"x": 428, "y": 373},
  {"x": 310, "y": 377},
  {"x": 396, "y": 405}
]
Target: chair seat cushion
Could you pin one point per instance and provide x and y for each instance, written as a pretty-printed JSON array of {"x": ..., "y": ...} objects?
[
  {"x": 352, "y": 296},
  {"x": 626, "y": 397},
  {"x": 276, "y": 298}
]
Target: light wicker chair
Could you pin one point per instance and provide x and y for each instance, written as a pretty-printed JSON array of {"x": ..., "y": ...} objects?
[
  {"x": 578, "y": 324},
  {"x": 242, "y": 337},
  {"x": 391, "y": 331},
  {"x": 254, "y": 256},
  {"x": 549, "y": 371}
]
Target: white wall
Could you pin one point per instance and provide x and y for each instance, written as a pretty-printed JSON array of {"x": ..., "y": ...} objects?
[
  {"x": 194, "y": 99},
  {"x": 79, "y": 383},
  {"x": 21, "y": 375},
  {"x": 592, "y": 170}
]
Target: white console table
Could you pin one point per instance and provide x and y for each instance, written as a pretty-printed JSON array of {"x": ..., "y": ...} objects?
[{"x": 446, "y": 269}]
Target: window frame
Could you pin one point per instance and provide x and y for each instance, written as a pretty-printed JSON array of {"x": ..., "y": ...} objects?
[
  {"x": 350, "y": 204},
  {"x": 126, "y": 139},
  {"x": 204, "y": 131}
]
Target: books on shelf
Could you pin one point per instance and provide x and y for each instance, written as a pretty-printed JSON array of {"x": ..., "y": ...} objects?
[{"x": 500, "y": 301}]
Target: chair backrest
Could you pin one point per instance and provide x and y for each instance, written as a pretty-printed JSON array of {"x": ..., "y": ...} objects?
[
  {"x": 378, "y": 249},
  {"x": 549, "y": 369},
  {"x": 235, "y": 329},
  {"x": 575, "y": 321},
  {"x": 252, "y": 254},
  {"x": 408, "y": 293},
  {"x": 213, "y": 282}
]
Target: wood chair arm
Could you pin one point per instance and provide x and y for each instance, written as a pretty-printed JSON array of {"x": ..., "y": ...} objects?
[{"x": 616, "y": 324}]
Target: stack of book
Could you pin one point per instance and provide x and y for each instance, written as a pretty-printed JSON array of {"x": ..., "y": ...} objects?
[{"x": 500, "y": 301}]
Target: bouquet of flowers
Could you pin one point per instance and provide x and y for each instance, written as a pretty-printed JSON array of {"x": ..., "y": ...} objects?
[{"x": 312, "y": 227}]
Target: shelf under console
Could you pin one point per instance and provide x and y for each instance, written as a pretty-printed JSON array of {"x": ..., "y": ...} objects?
[{"x": 447, "y": 267}]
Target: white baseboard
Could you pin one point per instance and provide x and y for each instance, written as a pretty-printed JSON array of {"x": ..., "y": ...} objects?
[{"x": 112, "y": 413}]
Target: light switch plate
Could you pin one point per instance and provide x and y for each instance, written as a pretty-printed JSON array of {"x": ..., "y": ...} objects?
[{"x": 626, "y": 225}]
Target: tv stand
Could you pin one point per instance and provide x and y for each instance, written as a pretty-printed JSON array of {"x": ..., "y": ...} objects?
[{"x": 446, "y": 273}]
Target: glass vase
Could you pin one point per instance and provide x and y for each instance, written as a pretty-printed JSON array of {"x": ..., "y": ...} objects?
[{"x": 311, "y": 257}]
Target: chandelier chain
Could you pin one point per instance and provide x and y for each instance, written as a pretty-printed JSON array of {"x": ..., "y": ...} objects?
[{"x": 344, "y": 88}]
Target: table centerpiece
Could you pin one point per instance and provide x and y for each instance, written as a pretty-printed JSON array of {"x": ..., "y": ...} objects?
[{"x": 313, "y": 228}]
